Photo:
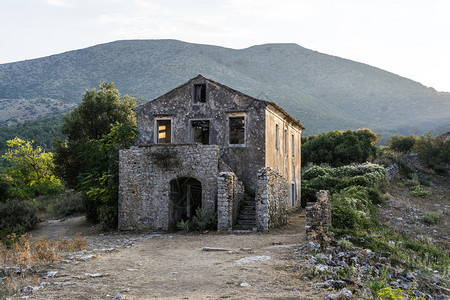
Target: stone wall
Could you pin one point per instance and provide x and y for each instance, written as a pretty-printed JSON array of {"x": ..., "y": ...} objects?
[
  {"x": 145, "y": 174},
  {"x": 272, "y": 199},
  {"x": 230, "y": 193},
  {"x": 318, "y": 217}
]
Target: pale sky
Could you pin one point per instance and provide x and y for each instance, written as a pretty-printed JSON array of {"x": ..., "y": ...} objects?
[{"x": 410, "y": 38}]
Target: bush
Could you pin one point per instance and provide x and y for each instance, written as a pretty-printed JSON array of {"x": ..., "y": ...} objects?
[
  {"x": 418, "y": 191},
  {"x": 18, "y": 215},
  {"x": 68, "y": 203},
  {"x": 335, "y": 179},
  {"x": 338, "y": 148},
  {"x": 200, "y": 222},
  {"x": 352, "y": 209},
  {"x": 432, "y": 218},
  {"x": 435, "y": 151},
  {"x": 402, "y": 144}
]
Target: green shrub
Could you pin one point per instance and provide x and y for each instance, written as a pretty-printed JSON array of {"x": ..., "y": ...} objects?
[
  {"x": 405, "y": 169},
  {"x": 4, "y": 188},
  {"x": 345, "y": 244},
  {"x": 418, "y": 191},
  {"x": 18, "y": 215},
  {"x": 352, "y": 209},
  {"x": 389, "y": 293},
  {"x": 338, "y": 148},
  {"x": 201, "y": 221},
  {"x": 68, "y": 203},
  {"x": 402, "y": 144},
  {"x": 432, "y": 218},
  {"x": 435, "y": 151}
]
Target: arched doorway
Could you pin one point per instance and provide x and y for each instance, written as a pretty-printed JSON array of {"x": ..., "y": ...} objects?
[{"x": 185, "y": 197}]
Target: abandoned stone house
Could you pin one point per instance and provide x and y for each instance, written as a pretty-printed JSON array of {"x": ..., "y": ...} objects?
[{"x": 204, "y": 145}]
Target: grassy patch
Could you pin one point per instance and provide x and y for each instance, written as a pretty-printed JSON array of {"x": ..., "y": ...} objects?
[{"x": 432, "y": 218}]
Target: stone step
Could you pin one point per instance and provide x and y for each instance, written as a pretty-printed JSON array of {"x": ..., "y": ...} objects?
[
  {"x": 245, "y": 222},
  {"x": 246, "y": 217},
  {"x": 245, "y": 227}
]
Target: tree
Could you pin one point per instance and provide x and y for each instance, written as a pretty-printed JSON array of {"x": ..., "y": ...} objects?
[
  {"x": 30, "y": 170},
  {"x": 90, "y": 121},
  {"x": 100, "y": 184},
  {"x": 338, "y": 148},
  {"x": 402, "y": 144}
]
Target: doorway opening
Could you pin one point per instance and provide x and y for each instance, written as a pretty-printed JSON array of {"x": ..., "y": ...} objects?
[{"x": 185, "y": 198}]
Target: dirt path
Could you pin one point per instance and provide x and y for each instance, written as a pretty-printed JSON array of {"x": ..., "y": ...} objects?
[{"x": 174, "y": 266}]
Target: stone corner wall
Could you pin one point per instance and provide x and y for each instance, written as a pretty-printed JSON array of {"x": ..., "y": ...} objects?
[
  {"x": 145, "y": 174},
  {"x": 271, "y": 198},
  {"x": 230, "y": 193},
  {"x": 318, "y": 217}
]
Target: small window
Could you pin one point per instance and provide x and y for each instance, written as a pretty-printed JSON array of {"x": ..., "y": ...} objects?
[
  {"x": 200, "y": 132},
  {"x": 164, "y": 131},
  {"x": 277, "y": 136},
  {"x": 293, "y": 193},
  {"x": 286, "y": 142},
  {"x": 237, "y": 130},
  {"x": 293, "y": 146},
  {"x": 199, "y": 93}
]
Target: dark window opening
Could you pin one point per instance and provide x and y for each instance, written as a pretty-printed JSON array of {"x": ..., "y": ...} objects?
[
  {"x": 200, "y": 132},
  {"x": 164, "y": 131},
  {"x": 200, "y": 93},
  {"x": 293, "y": 193},
  {"x": 286, "y": 142},
  {"x": 237, "y": 130},
  {"x": 185, "y": 199},
  {"x": 293, "y": 146},
  {"x": 277, "y": 136}
]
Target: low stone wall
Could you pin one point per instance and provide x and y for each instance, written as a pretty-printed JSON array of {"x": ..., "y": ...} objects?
[
  {"x": 229, "y": 196},
  {"x": 318, "y": 217},
  {"x": 272, "y": 197},
  {"x": 145, "y": 174}
]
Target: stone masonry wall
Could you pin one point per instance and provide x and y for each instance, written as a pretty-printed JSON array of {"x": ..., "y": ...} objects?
[
  {"x": 229, "y": 196},
  {"x": 318, "y": 217},
  {"x": 145, "y": 174},
  {"x": 272, "y": 196}
]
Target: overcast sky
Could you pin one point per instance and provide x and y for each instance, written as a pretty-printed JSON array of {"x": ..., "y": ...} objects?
[{"x": 408, "y": 37}]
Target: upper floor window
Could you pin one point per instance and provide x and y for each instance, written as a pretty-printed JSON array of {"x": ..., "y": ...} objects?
[
  {"x": 277, "y": 136},
  {"x": 293, "y": 146},
  {"x": 237, "y": 130},
  {"x": 164, "y": 131},
  {"x": 200, "y": 132},
  {"x": 199, "y": 93},
  {"x": 286, "y": 142}
]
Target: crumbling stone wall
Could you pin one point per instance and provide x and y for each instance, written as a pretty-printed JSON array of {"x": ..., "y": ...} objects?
[
  {"x": 145, "y": 174},
  {"x": 272, "y": 197},
  {"x": 318, "y": 217},
  {"x": 229, "y": 196}
]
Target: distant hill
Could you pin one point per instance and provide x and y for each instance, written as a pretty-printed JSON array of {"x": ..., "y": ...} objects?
[{"x": 324, "y": 92}]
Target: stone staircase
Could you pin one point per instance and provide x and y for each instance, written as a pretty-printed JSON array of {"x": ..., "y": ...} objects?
[{"x": 246, "y": 219}]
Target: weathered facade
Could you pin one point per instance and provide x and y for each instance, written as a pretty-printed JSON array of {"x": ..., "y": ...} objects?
[{"x": 199, "y": 145}]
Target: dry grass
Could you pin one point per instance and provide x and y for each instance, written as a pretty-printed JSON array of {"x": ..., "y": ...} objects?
[
  {"x": 25, "y": 252},
  {"x": 26, "y": 255}
]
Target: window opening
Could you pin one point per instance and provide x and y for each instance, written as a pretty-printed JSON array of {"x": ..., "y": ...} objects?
[
  {"x": 293, "y": 146},
  {"x": 293, "y": 194},
  {"x": 277, "y": 136},
  {"x": 286, "y": 142},
  {"x": 199, "y": 93},
  {"x": 164, "y": 131},
  {"x": 237, "y": 130},
  {"x": 200, "y": 132}
]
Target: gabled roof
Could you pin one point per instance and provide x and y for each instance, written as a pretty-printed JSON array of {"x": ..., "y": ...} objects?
[{"x": 200, "y": 77}]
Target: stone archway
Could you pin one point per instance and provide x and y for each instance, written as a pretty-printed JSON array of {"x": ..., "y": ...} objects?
[{"x": 185, "y": 197}]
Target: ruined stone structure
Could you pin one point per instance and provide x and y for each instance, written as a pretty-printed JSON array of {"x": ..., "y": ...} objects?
[
  {"x": 318, "y": 218},
  {"x": 199, "y": 145}
]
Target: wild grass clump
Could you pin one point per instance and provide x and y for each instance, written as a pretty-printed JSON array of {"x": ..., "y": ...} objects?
[
  {"x": 419, "y": 191},
  {"x": 432, "y": 218},
  {"x": 201, "y": 221}
]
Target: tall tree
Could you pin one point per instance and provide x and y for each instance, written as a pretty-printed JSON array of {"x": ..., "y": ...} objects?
[
  {"x": 30, "y": 170},
  {"x": 90, "y": 121}
]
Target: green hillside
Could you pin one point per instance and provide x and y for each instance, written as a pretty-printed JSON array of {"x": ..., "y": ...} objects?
[{"x": 324, "y": 92}]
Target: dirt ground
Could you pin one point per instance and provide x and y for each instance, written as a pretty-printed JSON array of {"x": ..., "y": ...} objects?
[{"x": 175, "y": 266}]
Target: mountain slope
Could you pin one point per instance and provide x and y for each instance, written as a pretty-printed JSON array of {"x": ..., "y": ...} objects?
[{"x": 322, "y": 91}]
